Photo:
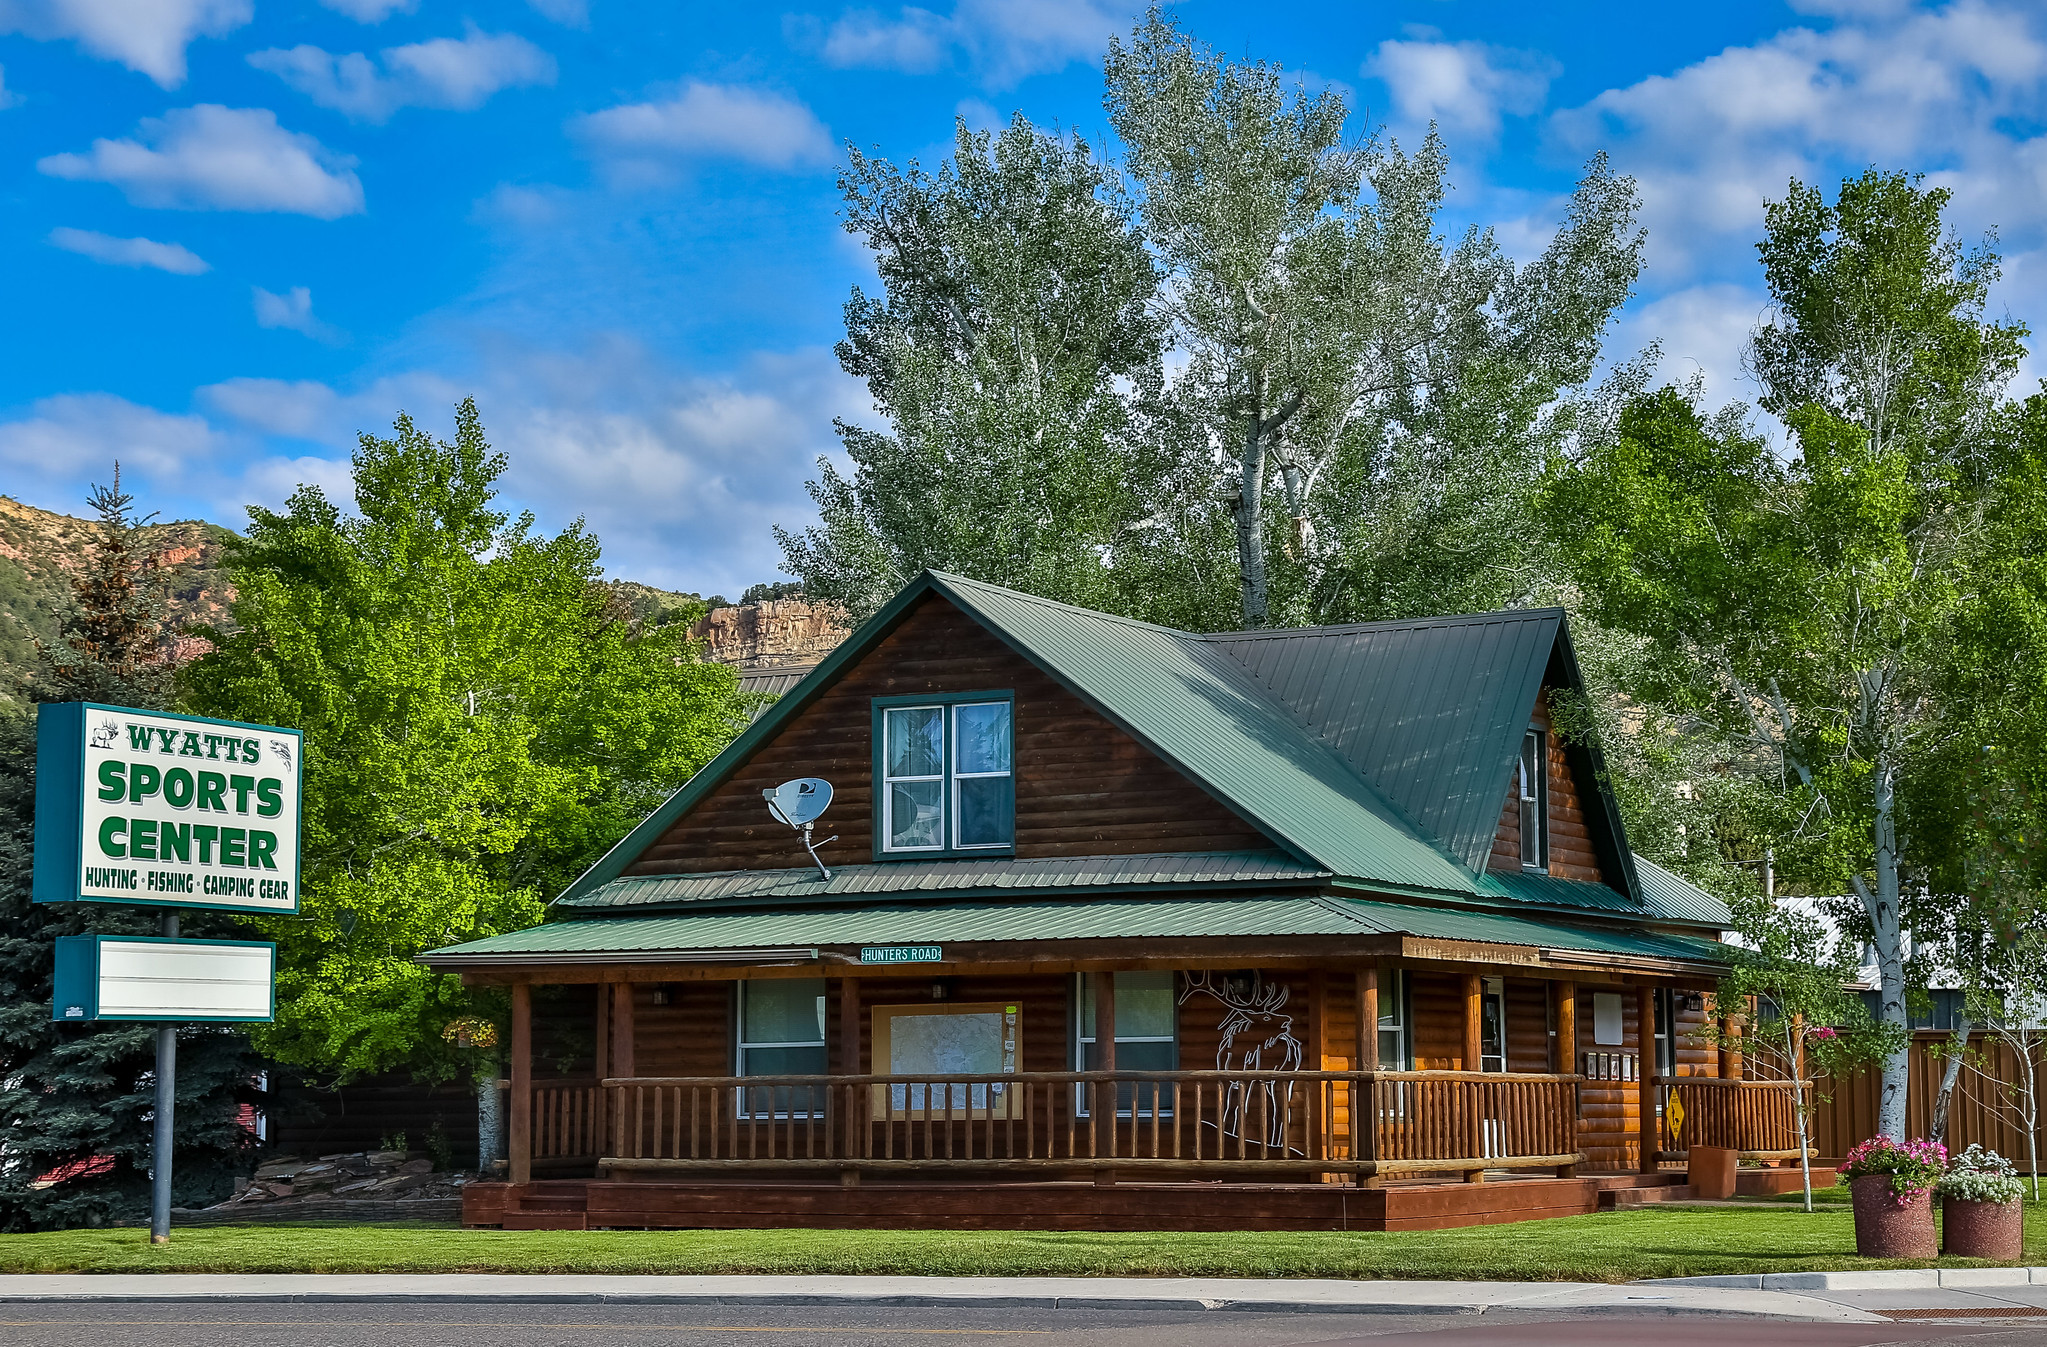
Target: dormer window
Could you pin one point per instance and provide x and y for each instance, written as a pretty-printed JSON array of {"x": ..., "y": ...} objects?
[
  {"x": 1534, "y": 787},
  {"x": 946, "y": 775}
]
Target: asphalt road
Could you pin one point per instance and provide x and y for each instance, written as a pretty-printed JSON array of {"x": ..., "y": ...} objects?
[{"x": 254, "y": 1324}]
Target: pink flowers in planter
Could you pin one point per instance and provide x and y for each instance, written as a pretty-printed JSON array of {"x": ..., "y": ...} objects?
[
  {"x": 1823, "y": 1032},
  {"x": 1913, "y": 1167}
]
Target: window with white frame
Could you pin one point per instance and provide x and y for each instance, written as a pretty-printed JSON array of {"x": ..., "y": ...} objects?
[
  {"x": 1147, "y": 1037},
  {"x": 1394, "y": 1049},
  {"x": 1533, "y": 782},
  {"x": 781, "y": 1033},
  {"x": 947, "y": 777}
]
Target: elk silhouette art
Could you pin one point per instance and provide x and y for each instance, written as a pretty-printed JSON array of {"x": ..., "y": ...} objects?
[{"x": 1255, "y": 1037}]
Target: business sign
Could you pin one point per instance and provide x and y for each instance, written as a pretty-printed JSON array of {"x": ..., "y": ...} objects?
[
  {"x": 154, "y": 809},
  {"x": 902, "y": 954},
  {"x": 111, "y": 977}
]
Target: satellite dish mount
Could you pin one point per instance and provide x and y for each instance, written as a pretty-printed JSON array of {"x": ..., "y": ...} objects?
[{"x": 798, "y": 804}]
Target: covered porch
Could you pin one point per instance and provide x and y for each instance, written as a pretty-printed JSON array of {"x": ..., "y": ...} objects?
[{"x": 1300, "y": 1091}]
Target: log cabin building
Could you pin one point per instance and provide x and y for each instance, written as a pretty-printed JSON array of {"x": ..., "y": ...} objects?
[{"x": 1111, "y": 926}]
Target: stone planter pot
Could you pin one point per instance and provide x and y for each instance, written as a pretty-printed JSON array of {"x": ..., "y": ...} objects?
[
  {"x": 1883, "y": 1229},
  {"x": 1979, "y": 1229},
  {"x": 1710, "y": 1170}
]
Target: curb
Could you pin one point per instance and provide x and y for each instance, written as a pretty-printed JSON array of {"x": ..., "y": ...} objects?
[
  {"x": 1901, "y": 1279},
  {"x": 1548, "y": 1300}
]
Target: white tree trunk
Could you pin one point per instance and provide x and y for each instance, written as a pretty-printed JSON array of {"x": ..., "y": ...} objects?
[
  {"x": 1251, "y": 527},
  {"x": 1887, "y": 927}
]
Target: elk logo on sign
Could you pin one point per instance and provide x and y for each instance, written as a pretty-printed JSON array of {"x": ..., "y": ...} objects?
[{"x": 1254, "y": 1036}]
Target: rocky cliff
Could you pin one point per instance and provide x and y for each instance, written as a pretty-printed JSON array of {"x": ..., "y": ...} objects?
[{"x": 772, "y": 634}]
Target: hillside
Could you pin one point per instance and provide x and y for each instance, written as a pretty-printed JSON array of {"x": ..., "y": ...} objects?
[{"x": 40, "y": 552}]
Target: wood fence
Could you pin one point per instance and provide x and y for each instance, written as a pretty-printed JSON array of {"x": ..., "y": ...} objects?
[{"x": 1847, "y": 1108}]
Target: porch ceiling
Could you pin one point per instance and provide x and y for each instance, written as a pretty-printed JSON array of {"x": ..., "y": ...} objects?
[{"x": 713, "y": 934}]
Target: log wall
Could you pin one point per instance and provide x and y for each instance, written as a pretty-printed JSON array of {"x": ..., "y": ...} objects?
[{"x": 1570, "y": 839}]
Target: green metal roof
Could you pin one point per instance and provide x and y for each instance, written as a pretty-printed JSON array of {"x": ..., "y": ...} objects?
[
  {"x": 1178, "y": 870},
  {"x": 1430, "y": 712},
  {"x": 793, "y": 929},
  {"x": 1667, "y": 896},
  {"x": 1199, "y": 708},
  {"x": 1262, "y": 721}
]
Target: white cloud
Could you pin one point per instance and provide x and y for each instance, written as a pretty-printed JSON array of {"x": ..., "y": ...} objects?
[
  {"x": 171, "y": 257},
  {"x": 681, "y": 475},
  {"x": 1462, "y": 86},
  {"x": 458, "y": 74},
  {"x": 370, "y": 11},
  {"x": 215, "y": 158},
  {"x": 1939, "y": 88},
  {"x": 1702, "y": 331},
  {"x": 147, "y": 36},
  {"x": 292, "y": 310},
  {"x": 1001, "y": 40},
  {"x": 712, "y": 120},
  {"x": 88, "y": 431}
]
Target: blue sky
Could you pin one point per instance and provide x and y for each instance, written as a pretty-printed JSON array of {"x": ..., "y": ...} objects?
[{"x": 240, "y": 231}]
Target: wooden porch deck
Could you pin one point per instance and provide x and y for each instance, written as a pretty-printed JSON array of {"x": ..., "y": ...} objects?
[{"x": 742, "y": 1204}]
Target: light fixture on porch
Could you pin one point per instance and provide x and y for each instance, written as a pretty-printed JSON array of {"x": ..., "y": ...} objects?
[
  {"x": 1695, "y": 1002},
  {"x": 660, "y": 995}
]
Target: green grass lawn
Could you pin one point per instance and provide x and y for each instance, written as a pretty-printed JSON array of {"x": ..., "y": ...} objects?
[{"x": 1612, "y": 1247}]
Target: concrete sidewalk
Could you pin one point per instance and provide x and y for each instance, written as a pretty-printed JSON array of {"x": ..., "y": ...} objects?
[{"x": 1273, "y": 1296}]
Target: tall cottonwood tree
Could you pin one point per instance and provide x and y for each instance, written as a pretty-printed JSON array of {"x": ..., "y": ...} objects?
[
  {"x": 1805, "y": 604},
  {"x": 1340, "y": 352},
  {"x": 1006, "y": 350},
  {"x": 480, "y": 724},
  {"x": 1236, "y": 377}
]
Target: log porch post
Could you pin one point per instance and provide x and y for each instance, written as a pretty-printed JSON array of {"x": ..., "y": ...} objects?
[
  {"x": 519, "y": 1138},
  {"x": 1364, "y": 1111},
  {"x": 1564, "y": 996},
  {"x": 1645, "y": 1078},
  {"x": 1730, "y": 1046},
  {"x": 857, "y": 1101},
  {"x": 1318, "y": 1091},
  {"x": 1473, "y": 989},
  {"x": 1104, "y": 1110},
  {"x": 600, "y": 1121},
  {"x": 622, "y": 1029},
  {"x": 1474, "y": 1125}
]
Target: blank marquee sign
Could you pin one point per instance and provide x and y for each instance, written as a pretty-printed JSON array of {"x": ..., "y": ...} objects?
[{"x": 110, "y": 977}]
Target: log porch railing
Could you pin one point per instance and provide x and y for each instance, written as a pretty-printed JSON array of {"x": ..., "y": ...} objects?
[
  {"x": 1277, "y": 1123},
  {"x": 1759, "y": 1118}
]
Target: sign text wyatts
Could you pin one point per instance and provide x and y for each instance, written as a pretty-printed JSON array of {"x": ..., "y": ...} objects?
[{"x": 188, "y": 812}]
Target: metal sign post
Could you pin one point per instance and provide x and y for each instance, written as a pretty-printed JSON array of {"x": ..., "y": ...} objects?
[{"x": 166, "y": 1113}]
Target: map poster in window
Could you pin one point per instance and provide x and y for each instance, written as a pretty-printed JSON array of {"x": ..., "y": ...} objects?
[{"x": 950, "y": 1039}]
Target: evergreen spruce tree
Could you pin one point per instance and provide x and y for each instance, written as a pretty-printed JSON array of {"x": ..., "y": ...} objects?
[{"x": 77, "y": 1100}]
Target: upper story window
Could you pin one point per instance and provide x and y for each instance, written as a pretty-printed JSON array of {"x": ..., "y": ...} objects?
[
  {"x": 946, "y": 775},
  {"x": 1534, "y": 787}
]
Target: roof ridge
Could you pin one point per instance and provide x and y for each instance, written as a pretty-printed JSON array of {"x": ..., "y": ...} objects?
[
  {"x": 1389, "y": 624},
  {"x": 952, "y": 579}
]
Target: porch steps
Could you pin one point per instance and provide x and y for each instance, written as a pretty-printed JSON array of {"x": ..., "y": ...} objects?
[
  {"x": 1622, "y": 1199},
  {"x": 538, "y": 1208}
]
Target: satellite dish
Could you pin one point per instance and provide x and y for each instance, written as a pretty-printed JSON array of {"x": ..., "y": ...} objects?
[{"x": 799, "y": 802}]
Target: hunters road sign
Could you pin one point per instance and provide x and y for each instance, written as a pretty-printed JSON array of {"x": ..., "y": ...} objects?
[
  {"x": 149, "y": 808},
  {"x": 108, "y": 977},
  {"x": 902, "y": 954}
]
